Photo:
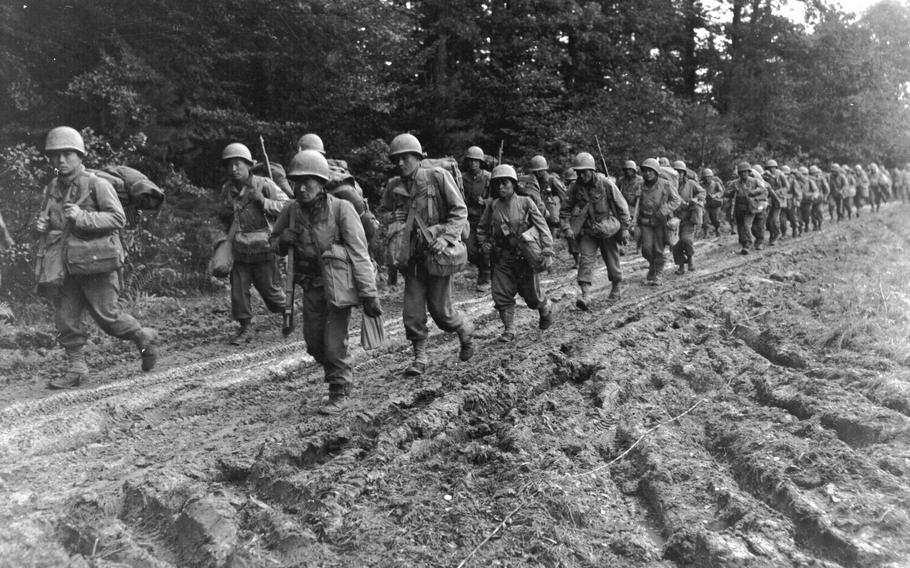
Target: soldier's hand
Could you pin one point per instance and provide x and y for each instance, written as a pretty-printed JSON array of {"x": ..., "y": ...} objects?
[
  {"x": 486, "y": 247},
  {"x": 42, "y": 224},
  {"x": 255, "y": 195},
  {"x": 371, "y": 307},
  {"x": 439, "y": 245},
  {"x": 71, "y": 211},
  {"x": 401, "y": 216},
  {"x": 624, "y": 237},
  {"x": 546, "y": 261},
  {"x": 568, "y": 233}
]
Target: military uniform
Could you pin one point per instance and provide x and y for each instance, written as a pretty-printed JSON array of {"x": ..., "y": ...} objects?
[
  {"x": 690, "y": 214},
  {"x": 317, "y": 227},
  {"x": 502, "y": 223},
  {"x": 777, "y": 182},
  {"x": 259, "y": 268},
  {"x": 714, "y": 200},
  {"x": 477, "y": 196},
  {"x": 750, "y": 200},
  {"x": 659, "y": 200}
]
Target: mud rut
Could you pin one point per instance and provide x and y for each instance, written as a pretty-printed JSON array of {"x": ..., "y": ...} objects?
[{"x": 701, "y": 423}]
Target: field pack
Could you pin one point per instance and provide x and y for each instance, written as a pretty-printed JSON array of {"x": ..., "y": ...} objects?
[
  {"x": 450, "y": 165},
  {"x": 133, "y": 188}
]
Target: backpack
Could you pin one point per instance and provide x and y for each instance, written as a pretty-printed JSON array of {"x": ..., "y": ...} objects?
[
  {"x": 133, "y": 188},
  {"x": 450, "y": 165}
]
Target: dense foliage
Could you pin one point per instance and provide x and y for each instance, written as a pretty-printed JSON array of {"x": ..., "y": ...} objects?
[{"x": 706, "y": 81}]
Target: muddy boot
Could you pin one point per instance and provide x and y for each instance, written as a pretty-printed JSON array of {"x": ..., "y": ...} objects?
[
  {"x": 691, "y": 266},
  {"x": 658, "y": 277},
  {"x": 76, "y": 371},
  {"x": 243, "y": 334},
  {"x": 145, "y": 340},
  {"x": 419, "y": 365},
  {"x": 650, "y": 276},
  {"x": 546, "y": 315},
  {"x": 615, "y": 292},
  {"x": 338, "y": 400},
  {"x": 483, "y": 280},
  {"x": 681, "y": 270},
  {"x": 507, "y": 316},
  {"x": 584, "y": 300},
  {"x": 466, "y": 341}
]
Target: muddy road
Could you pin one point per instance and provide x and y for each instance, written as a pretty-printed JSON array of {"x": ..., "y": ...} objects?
[{"x": 755, "y": 412}]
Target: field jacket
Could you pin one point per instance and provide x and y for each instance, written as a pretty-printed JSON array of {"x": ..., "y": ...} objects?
[
  {"x": 504, "y": 220},
  {"x": 476, "y": 193},
  {"x": 585, "y": 205},
  {"x": 750, "y": 195},
  {"x": 658, "y": 202},
  {"x": 251, "y": 216}
]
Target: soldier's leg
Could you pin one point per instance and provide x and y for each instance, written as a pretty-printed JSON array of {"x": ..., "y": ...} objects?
[
  {"x": 773, "y": 225},
  {"x": 587, "y": 256},
  {"x": 69, "y": 315},
  {"x": 338, "y": 363},
  {"x": 439, "y": 304},
  {"x": 241, "y": 280},
  {"x": 314, "y": 311},
  {"x": 648, "y": 246},
  {"x": 528, "y": 286},
  {"x": 758, "y": 230},
  {"x": 263, "y": 277},
  {"x": 414, "y": 303},
  {"x": 504, "y": 285},
  {"x": 660, "y": 245},
  {"x": 101, "y": 292},
  {"x": 744, "y": 221},
  {"x": 573, "y": 250},
  {"x": 686, "y": 244}
]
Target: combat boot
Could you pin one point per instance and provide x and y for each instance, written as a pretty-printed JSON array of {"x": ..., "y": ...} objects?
[
  {"x": 615, "y": 292},
  {"x": 76, "y": 371},
  {"x": 243, "y": 334},
  {"x": 483, "y": 280},
  {"x": 583, "y": 301},
  {"x": 546, "y": 315},
  {"x": 691, "y": 266},
  {"x": 466, "y": 341},
  {"x": 145, "y": 340},
  {"x": 419, "y": 365},
  {"x": 507, "y": 316},
  {"x": 338, "y": 400},
  {"x": 681, "y": 270}
]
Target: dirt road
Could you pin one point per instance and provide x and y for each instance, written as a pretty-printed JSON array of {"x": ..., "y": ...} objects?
[{"x": 752, "y": 413}]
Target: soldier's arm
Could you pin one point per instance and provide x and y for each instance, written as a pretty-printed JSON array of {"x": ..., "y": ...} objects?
[
  {"x": 387, "y": 203},
  {"x": 484, "y": 226},
  {"x": 700, "y": 194},
  {"x": 457, "y": 215},
  {"x": 558, "y": 187},
  {"x": 355, "y": 241},
  {"x": 622, "y": 206},
  {"x": 537, "y": 219},
  {"x": 273, "y": 199},
  {"x": 281, "y": 223},
  {"x": 673, "y": 202},
  {"x": 109, "y": 217},
  {"x": 565, "y": 211}
]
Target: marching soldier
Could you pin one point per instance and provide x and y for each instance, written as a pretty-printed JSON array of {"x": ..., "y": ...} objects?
[
  {"x": 569, "y": 176},
  {"x": 499, "y": 231},
  {"x": 750, "y": 199},
  {"x": 82, "y": 213},
  {"x": 659, "y": 199},
  {"x": 777, "y": 182},
  {"x": 690, "y": 214},
  {"x": 820, "y": 197},
  {"x": 552, "y": 190},
  {"x": 714, "y": 200},
  {"x": 597, "y": 216},
  {"x": 321, "y": 221},
  {"x": 476, "y": 195},
  {"x": 425, "y": 196},
  {"x": 249, "y": 204}
]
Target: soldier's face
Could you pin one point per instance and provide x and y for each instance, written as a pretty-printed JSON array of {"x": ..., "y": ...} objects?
[
  {"x": 473, "y": 165},
  {"x": 743, "y": 175},
  {"x": 65, "y": 161},
  {"x": 238, "y": 169},
  {"x": 648, "y": 174},
  {"x": 629, "y": 172},
  {"x": 407, "y": 163},
  {"x": 306, "y": 189},
  {"x": 585, "y": 176},
  {"x": 506, "y": 188}
]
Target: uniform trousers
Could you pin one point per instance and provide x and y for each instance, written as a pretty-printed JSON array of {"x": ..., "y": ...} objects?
[
  {"x": 424, "y": 292},
  {"x": 325, "y": 331},
  {"x": 513, "y": 275},
  {"x": 588, "y": 249},
  {"x": 261, "y": 275},
  {"x": 653, "y": 244},
  {"x": 97, "y": 294}
]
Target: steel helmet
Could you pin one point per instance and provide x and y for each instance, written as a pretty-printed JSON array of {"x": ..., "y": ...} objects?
[
  {"x": 651, "y": 164},
  {"x": 679, "y": 165},
  {"x": 743, "y": 167},
  {"x": 771, "y": 164},
  {"x": 504, "y": 171},
  {"x": 311, "y": 142},
  {"x": 804, "y": 170},
  {"x": 707, "y": 172},
  {"x": 539, "y": 163},
  {"x": 583, "y": 161},
  {"x": 237, "y": 150},
  {"x": 786, "y": 169},
  {"x": 630, "y": 165},
  {"x": 569, "y": 174},
  {"x": 309, "y": 163},
  {"x": 664, "y": 162},
  {"x": 64, "y": 138},
  {"x": 474, "y": 153},
  {"x": 813, "y": 169},
  {"x": 405, "y": 144},
  {"x": 759, "y": 169},
  {"x": 836, "y": 168}
]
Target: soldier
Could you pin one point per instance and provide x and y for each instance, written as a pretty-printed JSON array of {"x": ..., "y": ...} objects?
[
  {"x": 629, "y": 185},
  {"x": 750, "y": 199},
  {"x": 499, "y": 231},
  {"x": 552, "y": 190},
  {"x": 569, "y": 177},
  {"x": 690, "y": 214},
  {"x": 879, "y": 187},
  {"x": 809, "y": 191},
  {"x": 714, "y": 200},
  {"x": 777, "y": 182},
  {"x": 593, "y": 204},
  {"x": 659, "y": 199},
  {"x": 837, "y": 183},
  {"x": 790, "y": 197},
  {"x": 428, "y": 194},
  {"x": 820, "y": 197},
  {"x": 862, "y": 188},
  {"x": 82, "y": 213},
  {"x": 321, "y": 222},
  {"x": 249, "y": 204},
  {"x": 476, "y": 196},
  {"x": 850, "y": 193}
]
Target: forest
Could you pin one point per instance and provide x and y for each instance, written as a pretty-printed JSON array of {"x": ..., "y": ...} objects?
[{"x": 164, "y": 85}]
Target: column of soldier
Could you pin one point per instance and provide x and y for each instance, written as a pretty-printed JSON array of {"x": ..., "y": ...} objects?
[{"x": 316, "y": 210}]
